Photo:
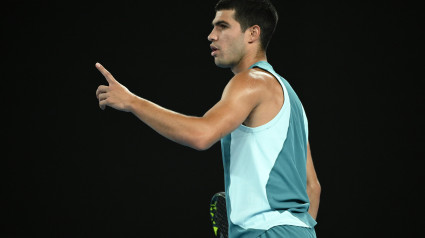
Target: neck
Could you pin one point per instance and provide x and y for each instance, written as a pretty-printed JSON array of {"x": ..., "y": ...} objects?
[{"x": 247, "y": 61}]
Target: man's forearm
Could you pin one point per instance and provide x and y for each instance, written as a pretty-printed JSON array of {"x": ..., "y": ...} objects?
[
  {"x": 313, "y": 192},
  {"x": 186, "y": 130}
]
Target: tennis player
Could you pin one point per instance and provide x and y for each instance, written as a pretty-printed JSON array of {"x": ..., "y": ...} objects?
[{"x": 271, "y": 186}]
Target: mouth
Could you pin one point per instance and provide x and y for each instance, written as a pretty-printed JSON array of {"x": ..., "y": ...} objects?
[{"x": 213, "y": 50}]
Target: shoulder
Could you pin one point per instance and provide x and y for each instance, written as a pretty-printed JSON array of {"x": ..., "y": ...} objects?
[
  {"x": 255, "y": 75},
  {"x": 251, "y": 79},
  {"x": 247, "y": 84},
  {"x": 250, "y": 84}
]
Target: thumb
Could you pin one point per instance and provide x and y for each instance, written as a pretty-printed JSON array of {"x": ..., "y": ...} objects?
[{"x": 106, "y": 74}]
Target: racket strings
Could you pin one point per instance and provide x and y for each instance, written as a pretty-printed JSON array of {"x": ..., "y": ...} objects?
[{"x": 219, "y": 215}]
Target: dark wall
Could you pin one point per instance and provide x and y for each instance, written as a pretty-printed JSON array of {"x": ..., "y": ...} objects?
[{"x": 72, "y": 170}]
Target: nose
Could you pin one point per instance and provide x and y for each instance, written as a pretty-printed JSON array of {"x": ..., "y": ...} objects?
[{"x": 212, "y": 36}]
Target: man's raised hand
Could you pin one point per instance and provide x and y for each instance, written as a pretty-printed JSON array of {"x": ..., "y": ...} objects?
[{"x": 114, "y": 95}]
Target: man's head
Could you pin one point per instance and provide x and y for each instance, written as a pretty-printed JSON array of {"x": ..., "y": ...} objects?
[{"x": 240, "y": 25}]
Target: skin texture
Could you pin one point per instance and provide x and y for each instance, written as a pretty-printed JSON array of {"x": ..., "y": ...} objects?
[{"x": 252, "y": 97}]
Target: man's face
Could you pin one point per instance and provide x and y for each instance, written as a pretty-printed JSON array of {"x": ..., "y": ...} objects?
[{"x": 227, "y": 39}]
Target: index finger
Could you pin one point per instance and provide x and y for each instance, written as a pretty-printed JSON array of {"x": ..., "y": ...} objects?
[{"x": 105, "y": 73}]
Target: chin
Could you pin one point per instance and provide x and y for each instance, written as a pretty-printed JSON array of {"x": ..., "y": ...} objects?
[{"x": 222, "y": 64}]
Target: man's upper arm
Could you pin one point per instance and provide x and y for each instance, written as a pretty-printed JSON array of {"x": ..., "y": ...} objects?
[{"x": 241, "y": 95}]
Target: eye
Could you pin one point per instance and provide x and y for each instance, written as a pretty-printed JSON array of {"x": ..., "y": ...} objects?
[{"x": 222, "y": 26}]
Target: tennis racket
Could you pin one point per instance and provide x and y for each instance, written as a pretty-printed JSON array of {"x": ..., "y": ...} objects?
[{"x": 218, "y": 214}]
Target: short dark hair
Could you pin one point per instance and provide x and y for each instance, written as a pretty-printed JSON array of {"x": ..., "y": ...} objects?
[{"x": 253, "y": 12}]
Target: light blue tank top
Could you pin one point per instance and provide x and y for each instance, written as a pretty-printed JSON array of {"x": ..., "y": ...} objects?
[{"x": 265, "y": 169}]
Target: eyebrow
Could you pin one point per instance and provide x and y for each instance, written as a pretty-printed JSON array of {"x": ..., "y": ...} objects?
[{"x": 220, "y": 22}]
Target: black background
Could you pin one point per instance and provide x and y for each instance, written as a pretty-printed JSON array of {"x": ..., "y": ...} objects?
[{"x": 70, "y": 169}]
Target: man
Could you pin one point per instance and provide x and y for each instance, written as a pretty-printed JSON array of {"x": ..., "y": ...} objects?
[{"x": 270, "y": 182}]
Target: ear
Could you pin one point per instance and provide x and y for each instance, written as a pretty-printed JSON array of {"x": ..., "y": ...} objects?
[{"x": 254, "y": 33}]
